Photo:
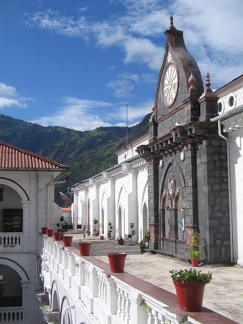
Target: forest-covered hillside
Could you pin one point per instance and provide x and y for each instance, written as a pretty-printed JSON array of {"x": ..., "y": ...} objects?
[{"x": 86, "y": 153}]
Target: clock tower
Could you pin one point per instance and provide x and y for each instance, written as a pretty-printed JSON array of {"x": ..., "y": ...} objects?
[{"x": 187, "y": 164}]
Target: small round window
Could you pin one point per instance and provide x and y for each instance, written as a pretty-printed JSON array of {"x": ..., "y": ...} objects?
[
  {"x": 220, "y": 107},
  {"x": 231, "y": 101}
]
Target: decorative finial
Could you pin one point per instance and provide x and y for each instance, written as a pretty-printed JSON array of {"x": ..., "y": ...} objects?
[
  {"x": 171, "y": 21},
  {"x": 192, "y": 81},
  {"x": 171, "y": 24},
  {"x": 207, "y": 83}
]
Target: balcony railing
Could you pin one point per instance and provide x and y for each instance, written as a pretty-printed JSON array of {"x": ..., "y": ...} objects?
[
  {"x": 10, "y": 241},
  {"x": 87, "y": 292},
  {"x": 11, "y": 315}
]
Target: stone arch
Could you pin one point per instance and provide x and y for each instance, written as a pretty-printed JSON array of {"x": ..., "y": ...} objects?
[
  {"x": 16, "y": 266},
  {"x": 67, "y": 314},
  {"x": 17, "y": 187},
  {"x": 180, "y": 176},
  {"x": 17, "y": 287},
  {"x": 172, "y": 191},
  {"x": 54, "y": 297}
]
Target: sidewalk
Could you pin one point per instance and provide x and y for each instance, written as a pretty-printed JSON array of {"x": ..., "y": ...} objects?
[{"x": 224, "y": 294}]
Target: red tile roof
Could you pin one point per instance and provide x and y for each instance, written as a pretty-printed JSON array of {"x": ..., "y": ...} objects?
[{"x": 12, "y": 157}]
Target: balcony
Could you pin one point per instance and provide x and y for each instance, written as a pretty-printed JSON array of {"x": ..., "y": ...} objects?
[{"x": 82, "y": 289}]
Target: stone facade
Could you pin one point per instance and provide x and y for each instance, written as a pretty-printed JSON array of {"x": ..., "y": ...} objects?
[{"x": 188, "y": 181}]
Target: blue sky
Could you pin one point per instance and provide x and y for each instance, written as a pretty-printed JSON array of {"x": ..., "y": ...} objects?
[{"x": 80, "y": 63}]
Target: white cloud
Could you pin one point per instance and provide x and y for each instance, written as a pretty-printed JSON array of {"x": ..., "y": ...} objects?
[
  {"x": 87, "y": 114},
  {"x": 9, "y": 97},
  {"x": 123, "y": 86},
  {"x": 8, "y": 102},
  {"x": 212, "y": 32},
  {"x": 6, "y": 90}
]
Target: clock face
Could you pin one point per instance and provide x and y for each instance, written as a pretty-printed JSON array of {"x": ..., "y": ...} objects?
[{"x": 170, "y": 85}]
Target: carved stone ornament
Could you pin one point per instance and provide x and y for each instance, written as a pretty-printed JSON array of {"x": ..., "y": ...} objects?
[
  {"x": 182, "y": 155},
  {"x": 171, "y": 185}
]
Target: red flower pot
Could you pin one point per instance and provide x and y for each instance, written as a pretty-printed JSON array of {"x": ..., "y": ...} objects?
[
  {"x": 84, "y": 248},
  {"x": 194, "y": 262},
  {"x": 121, "y": 241},
  {"x": 102, "y": 237},
  {"x": 67, "y": 240},
  {"x": 57, "y": 236},
  {"x": 49, "y": 232},
  {"x": 117, "y": 262},
  {"x": 189, "y": 295},
  {"x": 44, "y": 230}
]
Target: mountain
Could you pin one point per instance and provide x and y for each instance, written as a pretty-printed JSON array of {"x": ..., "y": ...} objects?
[{"x": 86, "y": 153}]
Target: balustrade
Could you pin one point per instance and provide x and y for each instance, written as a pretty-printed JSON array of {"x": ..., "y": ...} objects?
[
  {"x": 10, "y": 241},
  {"x": 98, "y": 296},
  {"x": 11, "y": 315}
]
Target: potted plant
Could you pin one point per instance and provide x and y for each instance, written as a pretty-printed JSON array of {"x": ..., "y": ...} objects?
[
  {"x": 67, "y": 240},
  {"x": 117, "y": 262},
  {"x": 142, "y": 246},
  {"x": 49, "y": 232},
  {"x": 84, "y": 248},
  {"x": 189, "y": 285},
  {"x": 110, "y": 230},
  {"x": 147, "y": 236},
  {"x": 95, "y": 230},
  {"x": 194, "y": 254},
  {"x": 44, "y": 230},
  {"x": 57, "y": 236},
  {"x": 120, "y": 240}
]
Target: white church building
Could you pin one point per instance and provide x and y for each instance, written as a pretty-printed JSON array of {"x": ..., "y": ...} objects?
[
  {"x": 230, "y": 128},
  {"x": 118, "y": 196}
]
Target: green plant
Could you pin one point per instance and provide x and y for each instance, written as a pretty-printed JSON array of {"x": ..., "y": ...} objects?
[
  {"x": 195, "y": 241},
  {"x": 110, "y": 229},
  {"x": 142, "y": 244},
  {"x": 189, "y": 275},
  {"x": 144, "y": 305},
  {"x": 147, "y": 236},
  {"x": 95, "y": 221},
  {"x": 194, "y": 254}
]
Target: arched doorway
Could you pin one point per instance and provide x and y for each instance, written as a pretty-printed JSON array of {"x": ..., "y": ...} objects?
[{"x": 10, "y": 287}]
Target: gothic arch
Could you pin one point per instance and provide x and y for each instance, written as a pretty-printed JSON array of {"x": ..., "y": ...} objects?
[
  {"x": 172, "y": 163},
  {"x": 144, "y": 212},
  {"x": 103, "y": 211},
  {"x": 172, "y": 201},
  {"x": 121, "y": 211}
]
